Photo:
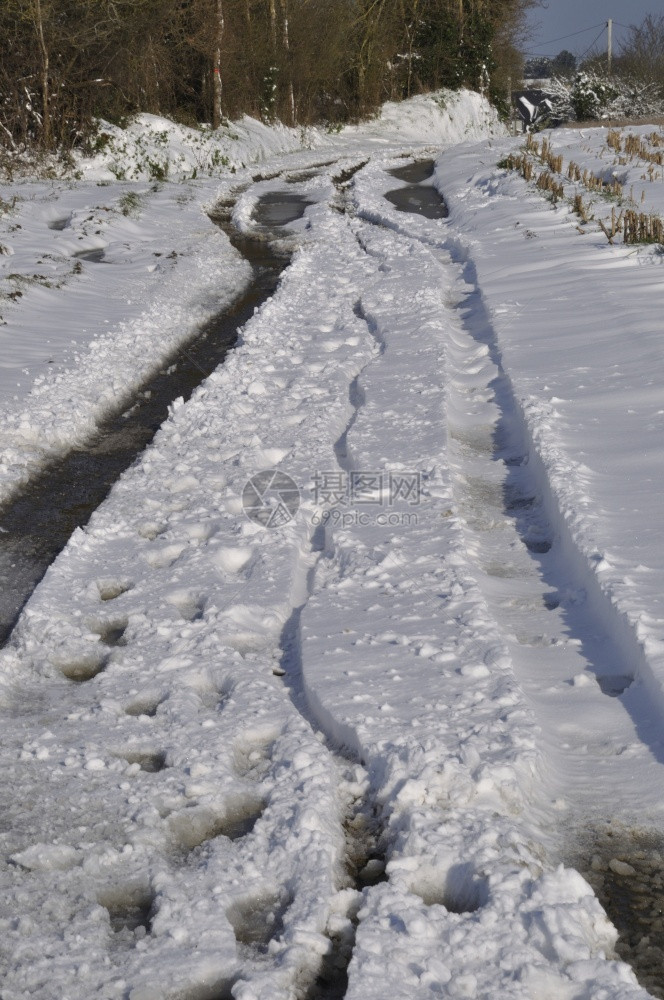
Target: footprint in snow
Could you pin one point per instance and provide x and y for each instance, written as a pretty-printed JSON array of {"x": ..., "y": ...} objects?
[
  {"x": 110, "y": 630},
  {"x": 232, "y": 559},
  {"x": 164, "y": 557},
  {"x": 189, "y": 603},
  {"x": 258, "y": 919},
  {"x": 81, "y": 665},
  {"x": 148, "y": 760},
  {"x": 144, "y": 704},
  {"x": 109, "y": 589},
  {"x": 194, "y": 826}
]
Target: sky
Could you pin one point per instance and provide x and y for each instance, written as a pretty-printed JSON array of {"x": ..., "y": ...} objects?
[{"x": 566, "y": 17}]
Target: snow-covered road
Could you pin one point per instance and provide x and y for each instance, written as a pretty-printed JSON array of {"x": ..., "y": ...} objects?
[{"x": 355, "y": 754}]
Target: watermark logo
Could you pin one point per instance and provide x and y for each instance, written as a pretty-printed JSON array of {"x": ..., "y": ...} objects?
[
  {"x": 362, "y": 488},
  {"x": 271, "y": 498},
  {"x": 343, "y": 517}
]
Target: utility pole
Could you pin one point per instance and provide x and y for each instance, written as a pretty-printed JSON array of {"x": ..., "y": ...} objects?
[{"x": 609, "y": 28}]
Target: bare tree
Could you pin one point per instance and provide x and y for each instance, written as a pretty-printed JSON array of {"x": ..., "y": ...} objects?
[
  {"x": 64, "y": 65},
  {"x": 642, "y": 54}
]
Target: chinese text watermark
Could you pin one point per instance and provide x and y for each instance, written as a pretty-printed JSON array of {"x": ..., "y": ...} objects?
[{"x": 345, "y": 499}]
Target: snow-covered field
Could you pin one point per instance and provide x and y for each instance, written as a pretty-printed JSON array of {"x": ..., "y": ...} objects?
[{"x": 376, "y": 735}]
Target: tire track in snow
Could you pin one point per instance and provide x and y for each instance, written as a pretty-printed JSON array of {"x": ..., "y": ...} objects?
[
  {"x": 562, "y": 631},
  {"x": 61, "y": 494},
  {"x": 568, "y": 649},
  {"x": 608, "y": 645},
  {"x": 43, "y": 513},
  {"x": 534, "y": 587},
  {"x": 582, "y": 930},
  {"x": 365, "y": 862},
  {"x": 398, "y": 646},
  {"x": 364, "y": 857},
  {"x": 242, "y": 825}
]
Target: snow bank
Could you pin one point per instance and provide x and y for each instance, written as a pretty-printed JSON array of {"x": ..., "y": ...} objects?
[{"x": 156, "y": 148}]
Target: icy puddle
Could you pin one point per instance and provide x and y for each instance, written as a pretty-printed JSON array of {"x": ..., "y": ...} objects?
[
  {"x": 278, "y": 208},
  {"x": 417, "y": 197},
  {"x": 36, "y": 525},
  {"x": 413, "y": 173}
]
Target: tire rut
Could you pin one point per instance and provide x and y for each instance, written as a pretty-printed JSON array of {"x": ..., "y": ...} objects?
[
  {"x": 575, "y": 654},
  {"x": 38, "y": 521},
  {"x": 583, "y": 686},
  {"x": 365, "y": 861},
  {"x": 500, "y": 481}
]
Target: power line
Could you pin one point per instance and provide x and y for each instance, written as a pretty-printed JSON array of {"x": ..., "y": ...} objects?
[
  {"x": 574, "y": 34},
  {"x": 546, "y": 55},
  {"x": 537, "y": 55},
  {"x": 591, "y": 44}
]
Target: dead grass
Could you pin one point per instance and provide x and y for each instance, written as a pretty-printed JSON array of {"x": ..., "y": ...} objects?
[
  {"x": 642, "y": 228},
  {"x": 634, "y": 227},
  {"x": 616, "y": 122}
]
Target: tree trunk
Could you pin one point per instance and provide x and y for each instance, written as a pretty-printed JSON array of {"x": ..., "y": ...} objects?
[
  {"x": 250, "y": 28},
  {"x": 153, "y": 94},
  {"x": 216, "y": 68},
  {"x": 273, "y": 27},
  {"x": 412, "y": 33},
  {"x": 46, "y": 98},
  {"x": 287, "y": 51},
  {"x": 371, "y": 17}
]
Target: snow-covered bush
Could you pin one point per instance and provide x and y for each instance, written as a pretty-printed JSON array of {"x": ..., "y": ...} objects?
[
  {"x": 593, "y": 96},
  {"x": 637, "y": 99},
  {"x": 558, "y": 91}
]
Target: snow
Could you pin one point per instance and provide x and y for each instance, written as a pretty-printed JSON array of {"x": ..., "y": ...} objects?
[
  {"x": 587, "y": 398},
  {"x": 82, "y": 335},
  {"x": 379, "y": 731}
]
